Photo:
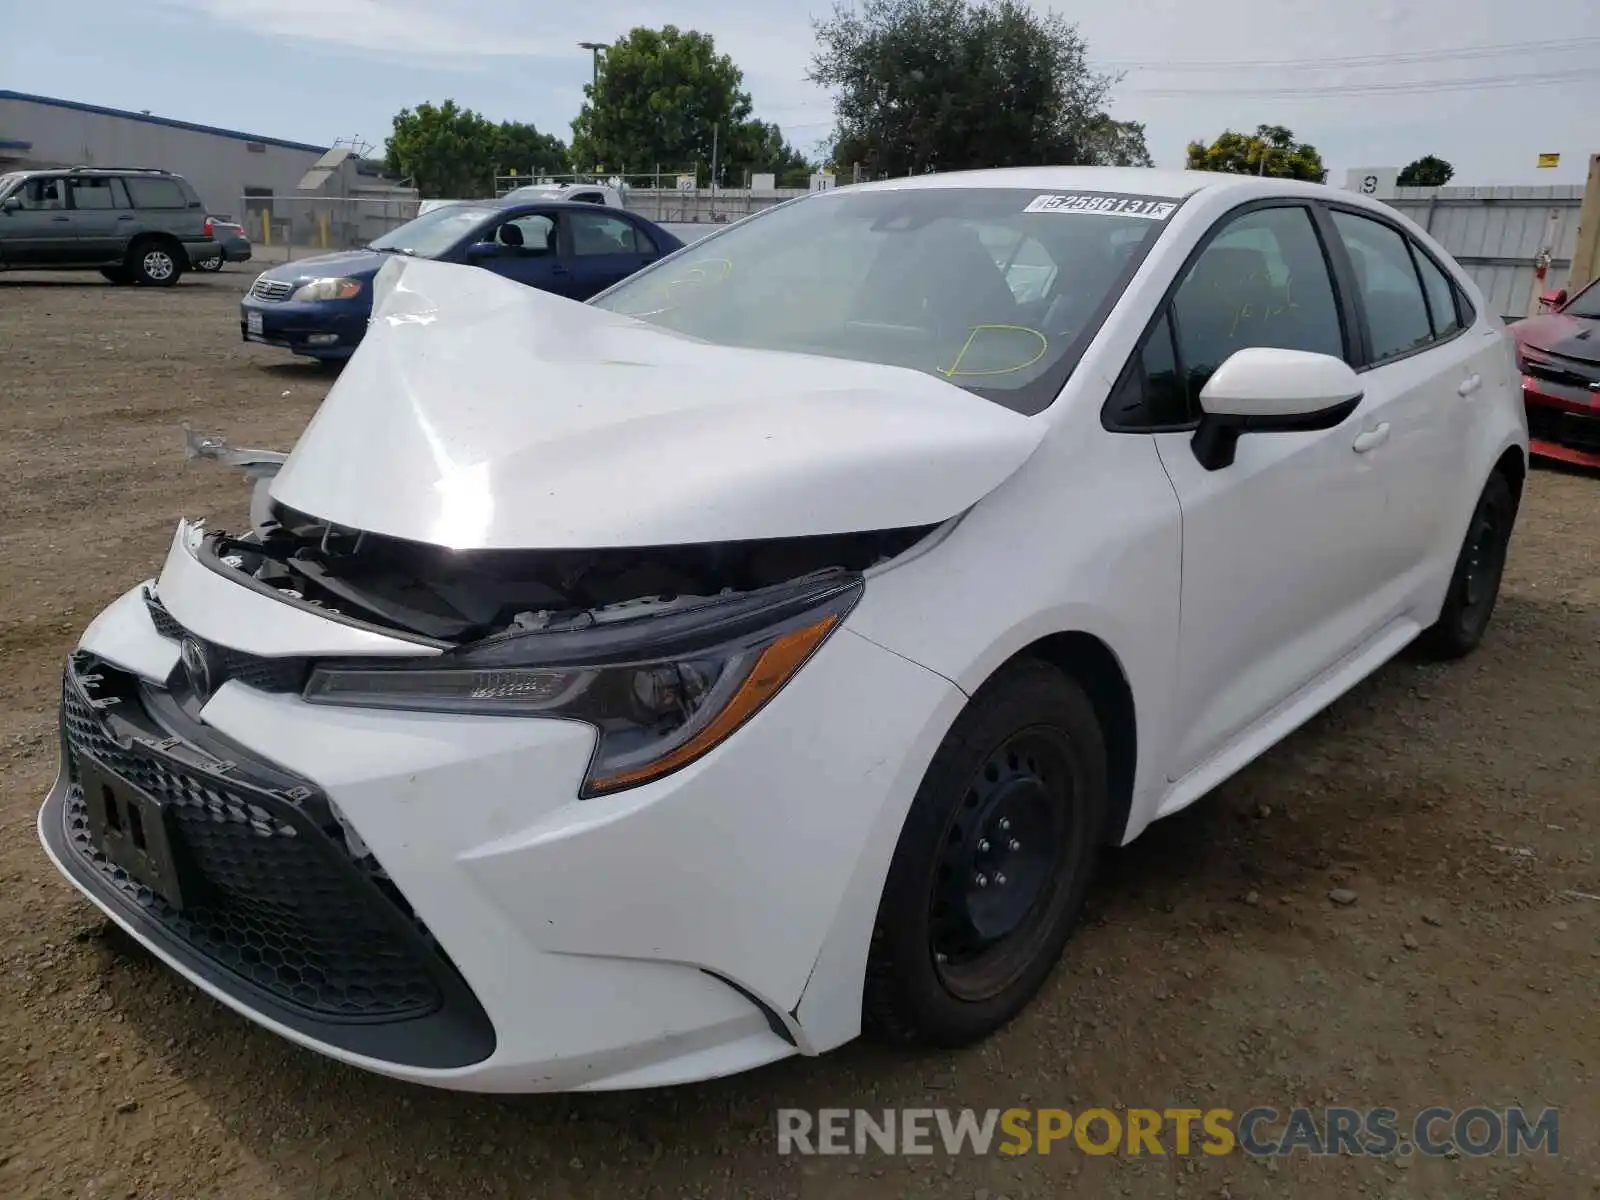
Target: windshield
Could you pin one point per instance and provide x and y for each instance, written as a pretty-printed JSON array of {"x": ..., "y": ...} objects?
[
  {"x": 997, "y": 290},
  {"x": 1586, "y": 303},
  {"x": 8, "y": 181},
  {"x": 434, "y": 232}
]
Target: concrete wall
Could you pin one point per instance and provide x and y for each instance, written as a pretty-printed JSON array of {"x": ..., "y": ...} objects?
[{"x": 220, "y": 164}]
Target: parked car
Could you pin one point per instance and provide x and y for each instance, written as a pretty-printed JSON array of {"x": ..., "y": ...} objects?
[
  {"x": 133, "y": 225},
  {"x": 233, "y": 239},
  {"x": 1559, "y": 354},
  {"x": 319, "y": 306},
  {"x": 625, "y": 693}
]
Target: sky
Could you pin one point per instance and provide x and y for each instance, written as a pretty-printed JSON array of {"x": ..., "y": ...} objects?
[{"x": 1359, "y": 79}]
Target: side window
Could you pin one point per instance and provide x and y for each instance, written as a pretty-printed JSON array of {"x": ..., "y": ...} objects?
[
  {"x": 1441, "y": 295},
  {"x": 97, "y": 192},
  {"x": 1391, "y": 293},
  {"x": 535, "y": 233},
  {"x": 597, "y": 233},
  {"x": 152, "y": 192},
  {"x": 45, "y": 193},
  {"x": 1262, "y": 281}
]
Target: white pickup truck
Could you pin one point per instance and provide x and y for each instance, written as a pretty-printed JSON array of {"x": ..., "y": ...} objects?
[{"x": 584, "y": 193}]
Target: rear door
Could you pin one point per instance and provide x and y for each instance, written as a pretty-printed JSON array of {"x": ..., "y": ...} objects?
[
  {"x": 102, "y": 217},
  {"x": 604, "y": 247},
  {"x": 39, "y": 233},
  {"x": 1422, "y": 375}
]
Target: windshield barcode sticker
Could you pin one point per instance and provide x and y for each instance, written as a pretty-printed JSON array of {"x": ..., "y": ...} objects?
[{"x": 1118, "y": 206}]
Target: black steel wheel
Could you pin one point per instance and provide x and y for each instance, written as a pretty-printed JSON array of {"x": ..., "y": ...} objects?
[
  {"x": 1475, "y": 583},
  {"x": 991, "y": 867}
]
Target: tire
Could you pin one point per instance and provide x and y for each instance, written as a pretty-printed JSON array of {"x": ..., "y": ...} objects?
[
  {"x": 1475, "y": 582},
  {"x": 156, "y": 263},
  {"x": 117, "y": 275},
  {"x": 210, "y": 264},
  {"x": 954, "y": 956}
]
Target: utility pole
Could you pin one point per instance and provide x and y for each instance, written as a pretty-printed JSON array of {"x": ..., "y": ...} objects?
[{"x": 716, "y": 129}]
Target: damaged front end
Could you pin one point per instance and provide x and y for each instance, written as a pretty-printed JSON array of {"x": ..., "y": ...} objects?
[{"x": 665, "y": 651}]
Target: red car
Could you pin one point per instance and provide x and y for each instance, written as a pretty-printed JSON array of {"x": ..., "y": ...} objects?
[{"x": 1559, "y": 353}]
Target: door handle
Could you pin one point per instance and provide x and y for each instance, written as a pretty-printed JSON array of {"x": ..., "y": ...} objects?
[
  {"x": 62, "y": 219},
  {"x": 1469, "y": 385},
  {"x": 1371, "y": 439},
  {"x": 125, "y": 217}
]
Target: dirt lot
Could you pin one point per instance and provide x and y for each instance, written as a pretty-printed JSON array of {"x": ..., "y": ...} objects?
[{"x": 1460, "y": 804}]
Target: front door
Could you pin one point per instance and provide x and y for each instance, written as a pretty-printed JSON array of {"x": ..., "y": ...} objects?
[
  {"x": 531, "y": 253},
  {"x": 39, "y": 233},
  {"x": 1278, "y": 584}
]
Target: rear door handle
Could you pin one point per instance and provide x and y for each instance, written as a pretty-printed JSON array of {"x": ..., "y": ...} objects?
[
  {"x": 63, "y": 219},
  {"x": 125, "y": 217},
  {"x": 1371, "y": 439},
  {"x": 1469, "y": 385}
]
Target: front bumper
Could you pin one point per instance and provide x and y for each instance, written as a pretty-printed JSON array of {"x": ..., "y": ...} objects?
[
  {"x": 661, "y": 935},
  {"x": 331, "y": 330},
  {"x": 1563, "y": 423}
]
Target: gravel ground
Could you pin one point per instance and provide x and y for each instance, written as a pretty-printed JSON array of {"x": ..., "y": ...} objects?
[{"x": 1459, "y": 804}]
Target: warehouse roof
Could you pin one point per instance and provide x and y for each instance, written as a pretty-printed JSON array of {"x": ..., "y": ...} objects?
[{"x": 77, "y": 106}]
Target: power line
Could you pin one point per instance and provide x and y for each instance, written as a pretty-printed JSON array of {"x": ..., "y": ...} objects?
[
  {"x": 1358, "y": 60},
  {"x": 1415, "y": 87}
]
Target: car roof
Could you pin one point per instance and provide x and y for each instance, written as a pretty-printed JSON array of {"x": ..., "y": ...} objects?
[{"x": 1142, "y": 181}]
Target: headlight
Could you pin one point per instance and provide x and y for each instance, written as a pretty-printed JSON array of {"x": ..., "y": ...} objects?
[
  {"x": 328, "y": 289},
  {"x": 661, "y": 691}
]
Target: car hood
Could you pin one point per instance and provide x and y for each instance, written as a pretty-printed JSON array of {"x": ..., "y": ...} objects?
[
  {"x": 1571, "y": 337},
  {"x": 351, "y": 264},
  {"x": 482, "y": 414}
]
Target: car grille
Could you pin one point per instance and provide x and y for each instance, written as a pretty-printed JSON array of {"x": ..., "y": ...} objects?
[
  {"x": 252, "y": 670},
  {"x": 271, "y": 894},
  {"x": 271, "y": 289},
  {"x": 1577, "y": 431},
  {"x": 1569, "y": 371}
]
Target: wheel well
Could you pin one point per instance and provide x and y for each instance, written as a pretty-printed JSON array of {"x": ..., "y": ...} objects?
[
  {"x": 147, "y": 239},
  {"x": 1091, "y": 664},
  {"x": 1514, "y": 467}
]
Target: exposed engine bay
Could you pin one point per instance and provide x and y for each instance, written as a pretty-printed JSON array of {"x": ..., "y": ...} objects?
[{"x": 456, "y": 597}]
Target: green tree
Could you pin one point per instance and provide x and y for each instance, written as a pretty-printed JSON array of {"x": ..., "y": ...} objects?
[
  {"x": 1428, "y": 171},
  {"x": 449, "y": 151},
  {"x": 665, "y": 98},
  {"x": 1270, "y": 150},
  {"x": 942, "y": 85}
]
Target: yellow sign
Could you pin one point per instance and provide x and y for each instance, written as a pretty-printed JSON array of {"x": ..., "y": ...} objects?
[{"x": 1549, "y": 160}]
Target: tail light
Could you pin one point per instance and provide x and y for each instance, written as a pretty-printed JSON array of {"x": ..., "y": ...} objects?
[{"x": 208, "y": 231}]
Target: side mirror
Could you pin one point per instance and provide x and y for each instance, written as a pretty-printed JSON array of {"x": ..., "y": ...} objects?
[
  {"x": 12, "y": 204},
  {"x": 479, "y": 251},
  {"x": 1265, "y": 390},
  {"x": 1553, "y": 299}
]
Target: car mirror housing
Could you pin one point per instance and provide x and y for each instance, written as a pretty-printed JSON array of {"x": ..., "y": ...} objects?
[
  {"x": 11, "y": 204},
  {"x": 482, "y": 250},
  {"x": 1553, "y": 299},
  {"x": 1262, "y": 389}
]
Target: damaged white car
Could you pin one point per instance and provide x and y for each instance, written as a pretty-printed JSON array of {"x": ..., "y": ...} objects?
[{"x": 631, "y": 692}]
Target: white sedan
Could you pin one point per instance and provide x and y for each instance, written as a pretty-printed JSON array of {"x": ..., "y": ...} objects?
[{"x": 639, "y": 691}]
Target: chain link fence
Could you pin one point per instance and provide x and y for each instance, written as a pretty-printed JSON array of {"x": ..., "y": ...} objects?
[{"x": 282, "y": 228}]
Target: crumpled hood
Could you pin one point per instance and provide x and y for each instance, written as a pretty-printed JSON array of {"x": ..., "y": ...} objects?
[
  {"x": 1571, "y": 337},
  {"x": 482, "y": 414}
]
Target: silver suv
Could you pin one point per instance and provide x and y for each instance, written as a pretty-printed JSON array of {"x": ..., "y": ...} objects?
[{"x": 133, "y": 225}]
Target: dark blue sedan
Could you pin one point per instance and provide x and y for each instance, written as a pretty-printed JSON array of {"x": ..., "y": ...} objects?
[{"x": 319, "y": 306}]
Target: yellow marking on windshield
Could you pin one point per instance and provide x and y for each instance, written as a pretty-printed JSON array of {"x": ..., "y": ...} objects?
[{"x": 951, "y": 371}]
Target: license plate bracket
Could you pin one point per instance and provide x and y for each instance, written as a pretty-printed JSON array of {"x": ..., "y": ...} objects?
[
  {"x": 253, "y": 323},
  {"x": 131, "y": 828}
]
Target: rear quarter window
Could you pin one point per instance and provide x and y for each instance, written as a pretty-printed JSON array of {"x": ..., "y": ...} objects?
[{"x": 155, "y": 193}]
